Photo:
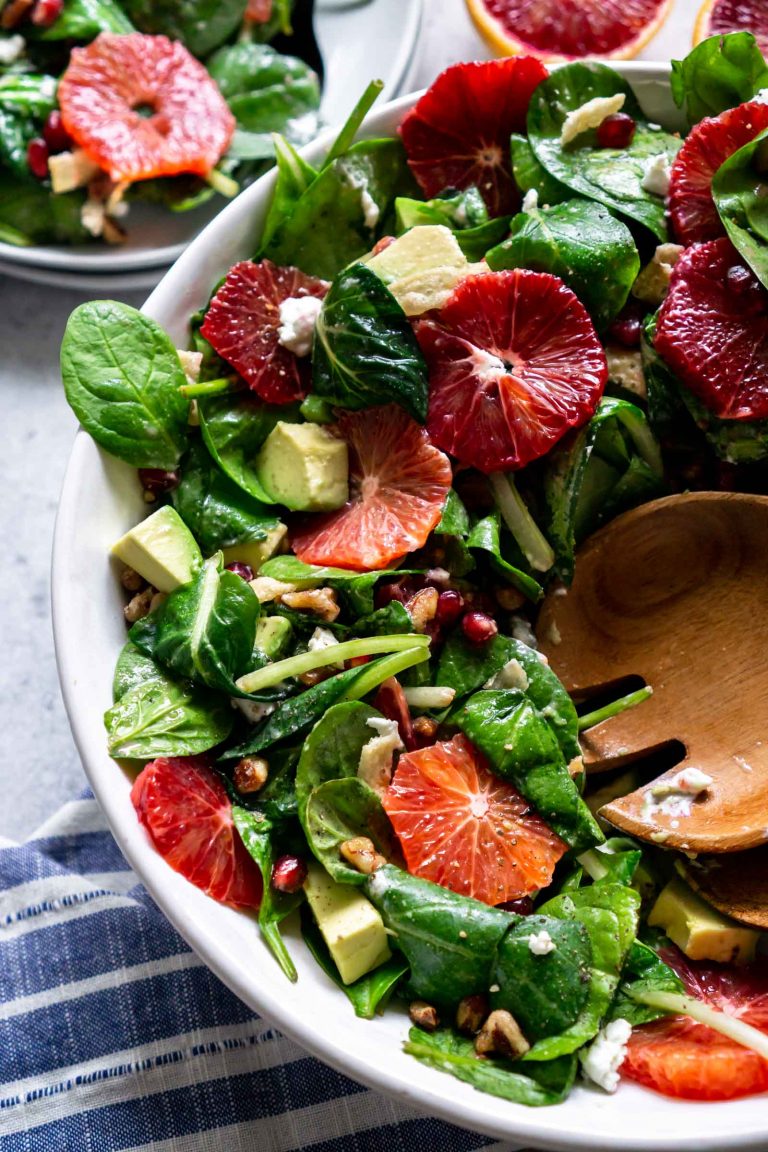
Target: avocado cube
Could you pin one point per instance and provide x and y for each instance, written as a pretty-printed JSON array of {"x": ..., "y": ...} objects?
[
  {"x": 304, "y": 467},
  {"x": 161, "y": 549},
  {"x": 421, "y": 268},
  {"x": 699, "y": 929},
  {"x": 351, "y": 926},
  {"x": 254, "y": 553},
  {"x": 273, "y": 634}
]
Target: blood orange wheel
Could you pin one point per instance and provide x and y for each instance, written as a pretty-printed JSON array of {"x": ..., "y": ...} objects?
[
  {"x": 398, "y": 485},
  {"x": 458, "y": 133},
  {"x": 514, "y": 362},
  {"x": 680, "y": 1057},
  {"x": 243, "y": 326},
  {"x": 718, "y": 16},
  {"x": 569, "y": 29},
  {"x": 187, "y": 813},
  {"x": 691, "y": 207},
  {"x": 462, "y": 827},
  {"x": 142, "y": 106}
]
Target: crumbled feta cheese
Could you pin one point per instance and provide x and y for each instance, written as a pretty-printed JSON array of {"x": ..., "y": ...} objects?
[
  {"x": 92, "y": 215},
  {"x": 590, "y": 115},
  {"x": 323, "y": 638},
  {"x": 254, "y": 710},
  {"x": 522, "y": 631},
  {"x": 11, "y": 48},
  {"x": 371, "y": 210},
  {"x": 674, "y": 797},
  {"x": 600, "y": 1062},
  {"x": 191, "y": 362},
  {"x": 375, "y": 766},
  {"x": 512, "y": 675},
  {"x": 656, "y": 173},
  {"x": 298, "y": 316},
  {"x": 460, "y": 215},
  {"x": 761, "y": 97},
  {"x": 541, "y": 943},
  {"x": 553, "y": 634},
  {"x": 70, "y": 170},
  {"x": 530, "y": 201}
]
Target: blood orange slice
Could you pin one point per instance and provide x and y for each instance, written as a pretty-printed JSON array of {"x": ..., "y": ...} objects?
[
  {"x": 142, "y": 106},
  {"x": 187, "y": 813},
  {"x": 514, "y": 362},
  {"x": 690, "y": 204},
  {"x": 243, "y": 325},
  {"x": 398, "y": 484},
  {"x": 460, "y": 826},
  {"x": 458, "y": 133},
  {"x": 569, "y": 29},
  {"x": 718, "y": 16},
  {"x": 713, "y": 331},
  {"x": 680, "y": 1057}
]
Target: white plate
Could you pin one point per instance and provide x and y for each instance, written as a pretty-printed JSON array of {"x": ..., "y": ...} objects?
[
  {"x": 100, "y": 501},
  {"x": 350, "y": 38}
]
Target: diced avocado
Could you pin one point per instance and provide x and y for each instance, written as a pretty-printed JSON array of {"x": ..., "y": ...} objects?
[
  {"x": 304, "y": 467},
  {"x": 254, "y": 553},
  {"x": 161, "y": 549},
  {"x": 351, "y": 926},
  {"x": 421, "y": 268},
  {"x": 698, "y": 929},
  {"x": 272, "y": 635}
]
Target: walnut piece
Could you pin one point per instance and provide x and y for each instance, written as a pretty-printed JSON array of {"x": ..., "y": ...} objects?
[
  {"x": 424, "y": 1015},
  {"x": 470, "y": 1014},
  {"x": 422, "y": 608},
  {"x": 501, "y": 1036},
  {"x": 251, "y": 774},
  {"x": 321, "y": 602},
  {"x": 139, "y": 606},
  {"x": 361, "y": 853}
]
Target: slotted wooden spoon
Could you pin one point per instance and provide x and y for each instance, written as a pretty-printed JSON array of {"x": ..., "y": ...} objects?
[{"x": 676, "y": 592}]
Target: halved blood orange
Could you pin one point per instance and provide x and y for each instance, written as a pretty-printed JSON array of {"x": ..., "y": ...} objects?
[
  {"x": 458, "y": 133},
  {"x": 713, "y": 331},
  {"x": 243, "y": 324},
  {"x": 569, "y": 29},
  {"x": 142, "y": 106},
  {"x": 691, "y": 207},
  {"x": 680, "y": 1057},
  {"x": 514, "y": 362},
  {"x": 462, "y": 827},
  {"x": 398, "y": 484},
  {"x": 718, "y": 16},
  {"x": 187, "y": 813}
]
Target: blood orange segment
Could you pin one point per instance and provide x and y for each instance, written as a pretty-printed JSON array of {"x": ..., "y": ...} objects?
[
  {"x": 680, "y": 1057},
  {"x": 462, "y": 827},
  {"x": 718, "y": 16},
  {"x": 691, "y": 207},
  {"x": 713, "y": 331},
  {"x": 569, "y": 29},
  {"x": 514, "y": 362},
  {"x": 243, "y": 325},
  {"x": 142, "y": 106},
  {"x": 398, "y": 484},
  {"x": 458, "y": 133},
  {"x": 187, "y": 813}
]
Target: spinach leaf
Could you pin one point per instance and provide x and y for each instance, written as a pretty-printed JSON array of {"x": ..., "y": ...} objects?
[
  {"x": 386, "y": 621},
  {"x": 612, "y": 176},
  {"x": 486, "y": 537},
  {"x": 205, "y": 630},
  {"x": 450, "y": 941},
  {"x": 25, "y": 101},
  {"x": 356, "y": 588},
  {"x": 453, "y": 551},
  {"x": 29, "y": 214},
  {"x": 466, "y": 667},
  {"x": 522, "y": 748},
  {"x": 582, "y": 243},
  {"x": 644, "y": 969},
  {"x": 122, "y": 377},
  {"x": 614, "y": 862},
  {"x": 739, "y": 191},
  {"x": 532, "y": 176},
  {"x": 28, "y": 94},
  {"x": 217, "y": 511},
  {"x": 463, "y": 212},
  {"x": 266, "y": 91},
  {"x": 533, "y": 1085},
  {"x": 258, "y": 835},
  {"x": 201, "y": 25},
  {"x": 234, "y": 427},
  {"x": 370, "y": 993},
  {"x": 454, "y": 520},
  {"x": 340, "y": 810},
  {"x": 719, "y": 73},
  {"x": 365, "y": 352},
  {"x": 332, "y": 749},
  {"x": 158, "y": 716},
  {"x": 133, "y": 668},
  {"x": 83, "y": 20},
  {"x": 545, "y": 994},
  {"x": 294, "y": 176}
]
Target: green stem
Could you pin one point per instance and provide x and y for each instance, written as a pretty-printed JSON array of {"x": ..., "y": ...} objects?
[
  {"x": 730, "y": 1026},
  {"x": 518, "y": 519},
  {"x": 592, "y": 864},
  {"x": 347, "y": 135},
  {"x": 272, "y": 674},
  {"x": 207, "y": 387},
  {"x": 615, "y": 708},
  {"x": 222, "y": 184},
  {"x": 377, "y": 672}
]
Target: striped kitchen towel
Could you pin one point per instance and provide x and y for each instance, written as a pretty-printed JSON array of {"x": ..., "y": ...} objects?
[{"x": 113, "y": 1035}]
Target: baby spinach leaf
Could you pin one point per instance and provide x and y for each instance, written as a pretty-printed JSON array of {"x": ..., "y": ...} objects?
[
  {"x": 453, "y": 551},
  {"x": 614, "y": 862},
  {"x": 612, "y": 176},
  {"x": 533, "y": 1085},
  {"x": 719, "y": 73},
  {"x": 82, "y": 20},
  {"x": 370, "y": 993},
  {"x": 466, "y": 667},
  {"x": 532, "y": 176},
  {"x": 234, "y": 427},
  {"x": 365, "y": 352},
  {"x": 740, "y": 191},
  {"x": 463, "y": 212},
  {"x": 29, "y": 214},
  {"x": 522, "y": 748},
  {"x": 341, "y": 810},
  {"x": 294, "y": 176},
  {"x": 200, "y": 24},
  {"x": 258, "y": 835},
  {"x": 28, "y": 94},
  {"x": 122, "y": 377},
  {"x": 582, "y": 243},
  {"x": 386, "y": 621},
  {"x": 356, "y": 588},
  {"x": 217, "y": 511},
  {"x": 133, "y": 667},
  {"x": 486, "y": 537},
  {"x": 545, "y": 994},
  {"x": 161, "y": 717},
  {"x": 267, "y": 92},
  {"x": 643, "y": 970},
  {"x": 454, "y": 520},
  {"x": 332, "y": 749},
  {"x": 449, "y": 940}
]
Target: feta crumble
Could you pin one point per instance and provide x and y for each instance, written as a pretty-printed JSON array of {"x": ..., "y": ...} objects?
[
  {"x": 11, "y": 49},
  {"x": 600, "y": 1062},
  {"x": 674, "y": 797},
  {"x": 590, "y": 115},
  {"x": 512, "y": 675},
  {"x": 541, "y": 943},
  {"x": 254, "y": 710},
  {"x": 323, "y": 638},
  {"x": 530, "y": 201},
  {"x": 375, "y": 765},
  {"x": 298, "y": 316},
  {"x": 656, "y": 175}
]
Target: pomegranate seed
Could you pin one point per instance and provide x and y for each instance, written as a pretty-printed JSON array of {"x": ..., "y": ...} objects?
[
  {"x": 450, "y": 606},
  {"x": 288, "y": 874},
  {"x": 386, "y": 593},
  {"x": 55, "y": 134},
  {"x": 627, "y": 330},
  {"x": 616, "y": 131},
  {"x": 243, "y": 570},
  {"x": 523, "y": 906},
  {"x": 479, "y": 627},
  {"x": 47, "y": 12},
  {"x": 37, "y": 158},
  {"x": 155, "y": 481}
]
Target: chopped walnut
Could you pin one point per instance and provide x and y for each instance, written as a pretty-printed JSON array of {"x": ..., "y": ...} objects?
[
  {"x": 361, "y": 853},
  {"x": 130, "y": 580},
  {"x": 501, "y": 1036},
  {"x": 625, "y": 368},
  {"x": 576, "y": 767},
  {"x": 139, "y": 606},
  {"x": 158, "y": 599},
  {"x": 112, "y": 232},
  {"x": 251, "y": 774},
  {"x": 15, "y": 13},
  {"x": 267, "y": 589},
  {"x": 424, "y": 1015},
  {"x": 422, "y": 608},
  {"x": 653, "y": 282},
  {"x": 470, "y": 1014},
  {"x": 321, "y": 602},
  {"x": 425, "y": 728}
]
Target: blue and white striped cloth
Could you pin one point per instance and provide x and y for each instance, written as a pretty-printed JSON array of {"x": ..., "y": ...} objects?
[{"x": 113, "y": 1035}]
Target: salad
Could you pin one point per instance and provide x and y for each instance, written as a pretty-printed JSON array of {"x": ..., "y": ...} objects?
[
  {"x": 455, "y": 354},
  {"x": 104, "y": 103}
]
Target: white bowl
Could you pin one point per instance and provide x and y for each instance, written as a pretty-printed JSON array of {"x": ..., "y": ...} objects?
[{"x": 99, "y": 502}]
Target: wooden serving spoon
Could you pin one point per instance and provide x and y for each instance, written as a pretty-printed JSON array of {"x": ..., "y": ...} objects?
[
  {"x": 735, "y": 883},
  {"x": 676, "y": 592}
]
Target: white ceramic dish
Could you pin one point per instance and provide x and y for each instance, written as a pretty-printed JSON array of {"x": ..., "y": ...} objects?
[
  {"x": 356, "y": 40},
  {"x": 100, "y": 501}
]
